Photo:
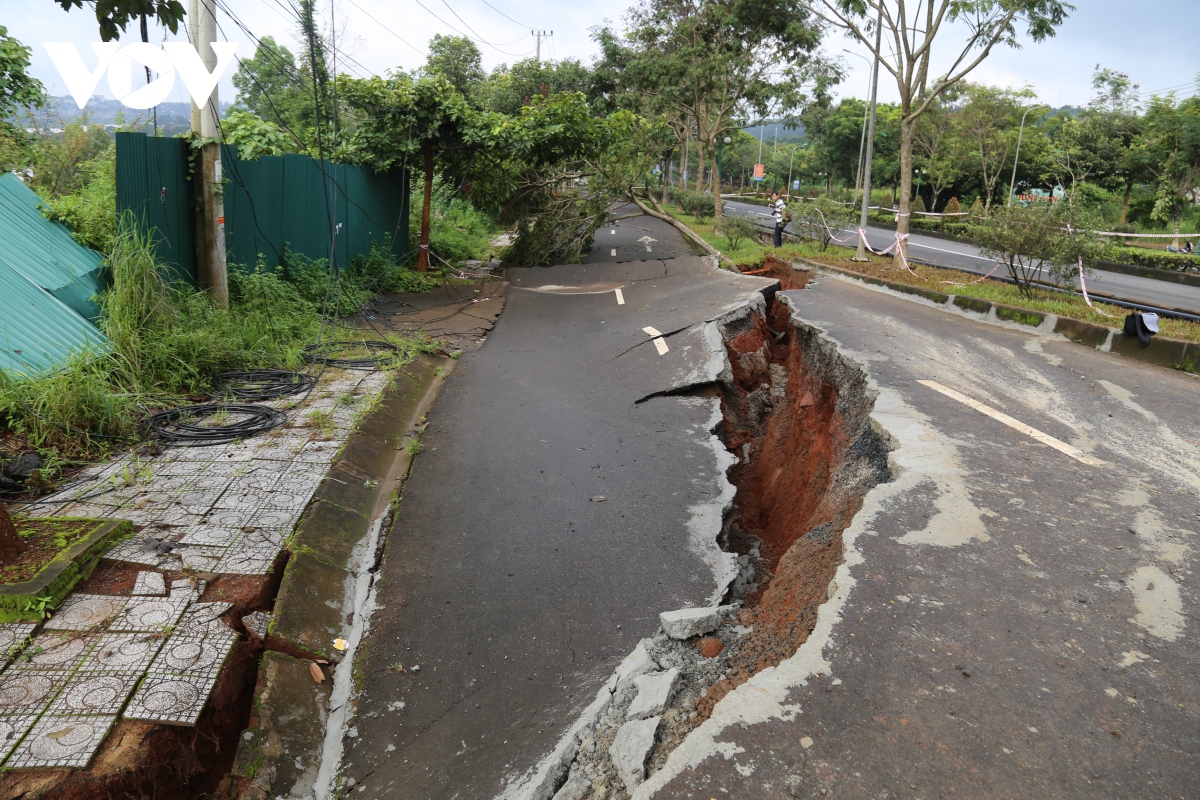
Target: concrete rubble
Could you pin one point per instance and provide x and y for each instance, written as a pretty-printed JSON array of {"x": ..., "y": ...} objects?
[{"x": 630, "y": 748}]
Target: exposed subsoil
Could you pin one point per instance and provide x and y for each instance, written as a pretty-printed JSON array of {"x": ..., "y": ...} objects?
[
  {"x": 146, "y": 760},
  {"x": 775, "y": 267},
  {"x": 796, "y": 414}
]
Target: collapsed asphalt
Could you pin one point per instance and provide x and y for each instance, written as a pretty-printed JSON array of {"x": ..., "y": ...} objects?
[
  {"x": 961, "y": 255},
  {"x": 549, "y": 519}
]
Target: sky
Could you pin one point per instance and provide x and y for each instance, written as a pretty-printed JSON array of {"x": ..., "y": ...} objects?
[{"x": 1159, "y": 50}]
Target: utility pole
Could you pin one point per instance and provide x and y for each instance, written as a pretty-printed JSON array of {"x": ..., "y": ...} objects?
[
  {"x": 866, "y": 201},
  {"x": 211, "y": 273},
  {"x": 775, "y": 147},
  {"x": 790, "y": 159},
  {"x": 539, "y": 35}
]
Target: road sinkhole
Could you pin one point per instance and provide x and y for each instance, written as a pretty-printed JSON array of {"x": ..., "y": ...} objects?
[{"x": 796, "y": 416}]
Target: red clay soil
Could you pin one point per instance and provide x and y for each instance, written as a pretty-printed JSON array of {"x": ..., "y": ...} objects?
[
  {"x": 709, "y": 647},
  {"x": 775, "y": 267},
  {"x": 784, "y": 494}
]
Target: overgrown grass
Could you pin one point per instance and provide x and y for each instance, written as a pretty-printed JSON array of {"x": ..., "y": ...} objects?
[
  {"x": 166, "y": 343},
  {"x": 457, "y": 229},
  {"x": 376, "y": 273}
]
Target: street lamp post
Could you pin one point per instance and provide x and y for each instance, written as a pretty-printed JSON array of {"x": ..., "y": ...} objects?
[
  {"x": 861, "y": 255},
  {"x": 1012, "y": 184},
  {"x": 789, "y": 186},
  {"x": 862, "y": 138}
]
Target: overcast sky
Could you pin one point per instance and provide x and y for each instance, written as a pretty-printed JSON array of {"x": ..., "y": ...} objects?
[{"x": 1156, "y": 42}]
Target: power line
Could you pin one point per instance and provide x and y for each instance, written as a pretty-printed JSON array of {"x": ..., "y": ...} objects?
[
  {"x": 386, "y": 28},
  {"x": 506, "y": 16},
  {"x": 460, "y": 33},
  {"x": 1131, "y": 55}
]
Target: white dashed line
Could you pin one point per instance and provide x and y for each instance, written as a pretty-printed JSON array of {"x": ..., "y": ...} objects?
[
  {"x": 660, "y": 344},
  {"x": 620, "y": 297},
  {"x": 613, "y": 231},
  {"x": 1034, "y": 433},
  {"x": 614, "y": 251}
]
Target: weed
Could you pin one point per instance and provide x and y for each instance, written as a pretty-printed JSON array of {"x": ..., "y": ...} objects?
[
  {"x": 322, "y": 419},
  {"x": 413, "y": 447}
]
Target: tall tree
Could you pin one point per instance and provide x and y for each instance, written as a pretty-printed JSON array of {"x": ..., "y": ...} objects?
[
  {"x": 937, "y": 147},
  {"x": 274, "y": 87},
  {"x": 1171, "y": 141},
  {"x": 988, "y": 120},
  {"x": 458, "y": 59},
  {"x": 909, "y": 36},
  {"x": 18, "y": 90}
]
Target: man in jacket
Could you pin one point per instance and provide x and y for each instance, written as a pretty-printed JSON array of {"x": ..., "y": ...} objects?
[{"x": 777, "y": 208}]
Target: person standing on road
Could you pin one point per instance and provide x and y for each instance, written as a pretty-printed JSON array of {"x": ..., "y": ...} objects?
[{"x": 778, "y": 208}]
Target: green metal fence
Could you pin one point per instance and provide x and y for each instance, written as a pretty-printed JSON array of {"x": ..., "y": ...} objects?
[
  {"x": 272, "y": 205},
  {"x": 153, "y": 184}
]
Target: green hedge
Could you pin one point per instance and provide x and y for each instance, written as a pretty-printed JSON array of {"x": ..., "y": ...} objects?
[{"x": 1155, "y": 259}]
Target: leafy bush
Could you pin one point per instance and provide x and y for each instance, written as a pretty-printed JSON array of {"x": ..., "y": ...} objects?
[
  {"x": 335, "y": 293},
  {"x": 820, "y": 219},
  {"x": 1036, "y": 240},
  {"x": 254, "y": 136},
  {"x": 1155, "y": 259},
  {"x": 697, "y": 204},
  {"x": 90, "y": 210},
  {"x": 736, "y": 229},
  {"x": 379, "y": 272},
  {"x": 952, "y": 207}
]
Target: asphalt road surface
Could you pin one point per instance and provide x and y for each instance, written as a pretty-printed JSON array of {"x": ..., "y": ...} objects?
[
  {"x": 943, "y": 253},
  {"x": 548, "y": 520},
  {"x": 1010, "y": 620}
]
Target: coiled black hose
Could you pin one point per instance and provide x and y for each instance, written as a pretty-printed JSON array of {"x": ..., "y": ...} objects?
[
  {"x": 184, "y": 426},
  {"x": 262, "y": 384},
  {"x": 322, "y": 353}
]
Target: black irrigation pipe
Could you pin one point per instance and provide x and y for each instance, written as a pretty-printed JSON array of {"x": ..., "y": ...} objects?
[
  {"x": 261, "y": 384},
  {"x": 320, "y": 353},
  {"x": 182, "y": 426}
]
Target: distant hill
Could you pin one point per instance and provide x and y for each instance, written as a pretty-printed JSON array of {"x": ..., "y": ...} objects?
[
  {"x": 173, "y": 118},
  {"x": 786, "y": 133}
]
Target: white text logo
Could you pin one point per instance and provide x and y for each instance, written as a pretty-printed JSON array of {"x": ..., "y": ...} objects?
[{"x": 118, "y": 62}]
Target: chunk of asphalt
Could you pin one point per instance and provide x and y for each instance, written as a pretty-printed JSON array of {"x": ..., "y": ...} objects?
[
  {"x": 688, "y": 622},
  {"x": 653, "y": 693},
  {"x": 576, "y": 788},
  {"x": 630, "y": 747},
  {"x": 636, "y": 663}
]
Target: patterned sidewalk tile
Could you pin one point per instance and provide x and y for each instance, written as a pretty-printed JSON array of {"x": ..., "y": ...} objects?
[
  {"x": 11, "y": 731},
  {"x": 55, "y": 650},
  {"x": 12, "y": 639},
  {"x": 95, "y": 693},
  {"x": 170, "y": 699},
  {"x": 61, "y": 742},
  {"x": 211, "y": 535},
  {"x": 132, "y": 652},
  {"x": 258, "y": 623},
  {"x": 201, "y": 618},
  {"x": 28, "y": 691},
  {"x": 150, "y": 615},
  {"x": 150, "y": 584},
  {"x": 231, "y": 517},
  {"x": 195, "y": 655},
  {"x": 275, "y": 518},
  {"x": 201, "y": 558},
  {"x": 247, "y": 562},
  {"x": 81, "y": 612}
]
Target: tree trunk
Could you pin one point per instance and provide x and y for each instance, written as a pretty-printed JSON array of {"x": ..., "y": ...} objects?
[
  {"x": 905, "y": 217},
  {"x": 11, "y": 545},
  {"x": 1125, "y": 205},
  {"x": 700, "y": 166},
  {"x": 1178, "y": 215},
  {"x": 716, "y": 189},
  {"x": 423, "y": 256}
]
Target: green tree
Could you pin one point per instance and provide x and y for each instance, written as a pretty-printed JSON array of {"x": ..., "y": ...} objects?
[
  {"x": 18, "y": 90},
  {"x": 938, "y": 147},
  {"x": 273, "y": 87},
  {"x": 1171, "y": 142},
  {"x": 989, "y": 120},
  {"x": 1036, "y": 241},
  {"x": 456, "y": 58},
  {"x": 254, "y": 136},
  {"x": 114, "y": 15},
  {"x": 907, "y": 50}
]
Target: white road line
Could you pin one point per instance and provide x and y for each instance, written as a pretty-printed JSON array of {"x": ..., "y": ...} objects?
[
  {"x": 620, "y": 297},
  {"x": 613, "y": 231},
  {"x": 1034, "y": 433},
  {"x": 660, "y": 344},
  {"x": 614, "y": 251}
]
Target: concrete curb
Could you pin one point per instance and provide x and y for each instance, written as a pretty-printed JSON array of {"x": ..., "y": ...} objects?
[
  {"x": 280, "y": 752},
  {"x": 1162, "y": 351}
]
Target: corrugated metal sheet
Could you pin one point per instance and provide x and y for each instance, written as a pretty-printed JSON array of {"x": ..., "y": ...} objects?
[
  {"x": 153, "y": 184},
  {"x": 44, "y": 252},
  {"x": 281, "y": 200},
  {"x": 46, "y": 284}
]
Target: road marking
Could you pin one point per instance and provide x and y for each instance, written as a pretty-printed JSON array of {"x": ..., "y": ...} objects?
[
  {"x": 620, "y": 297},
  {"x": 1034, "y": 433},
  {"x": 660, "y": 344},
  {"x": 613, "y": 231},
  {"x": 614, "y": 251}
]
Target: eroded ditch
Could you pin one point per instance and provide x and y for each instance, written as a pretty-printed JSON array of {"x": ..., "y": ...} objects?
[{"x": 796, "y": 415}]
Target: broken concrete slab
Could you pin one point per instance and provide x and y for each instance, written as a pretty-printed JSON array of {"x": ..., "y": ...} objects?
[
  {"x": 279, "y": 753},
  {"x": 688, "y": 622},
  {"x": 630, "y": 747},
  {"x": 653, "y": 694},
  {"x": 576, "y": 788},
  {"x": 150, "y": 584},
  {"x": 639, "y": 662}
]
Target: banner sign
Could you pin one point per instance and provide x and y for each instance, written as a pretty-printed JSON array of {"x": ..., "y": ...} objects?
[
  {"x": 117, "y": 61},
  {"x": 760, "y": 171}
]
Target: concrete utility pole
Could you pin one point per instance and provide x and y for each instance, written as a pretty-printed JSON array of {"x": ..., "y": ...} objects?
[
  {"x": 211, "y": 270},
  {"x": 866, "y": 201},
  {"x": 539, "y": 35}
]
